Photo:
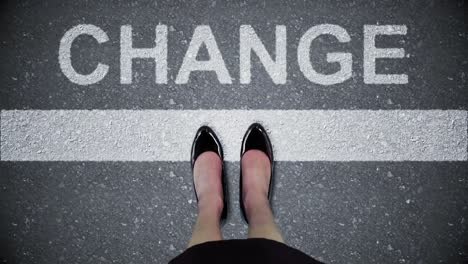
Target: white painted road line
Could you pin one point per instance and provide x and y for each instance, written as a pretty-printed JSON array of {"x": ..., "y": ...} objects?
[{"x": 297, "y": 135}]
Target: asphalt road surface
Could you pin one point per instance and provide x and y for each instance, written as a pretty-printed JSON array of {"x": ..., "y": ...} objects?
[{"x": 99, "y": 173}]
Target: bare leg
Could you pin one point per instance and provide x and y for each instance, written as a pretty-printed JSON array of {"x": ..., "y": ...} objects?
[
  {"x": 256, "y": 177},
  {"x": 207, "y": 178}
]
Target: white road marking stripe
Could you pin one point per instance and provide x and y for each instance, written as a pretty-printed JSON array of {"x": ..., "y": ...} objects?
[{"x": 297, "y": 135}]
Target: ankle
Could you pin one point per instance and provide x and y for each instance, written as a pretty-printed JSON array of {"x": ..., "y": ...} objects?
[
  {"x": 211, "y": 205},
  {"x": 255, "y": 203}
]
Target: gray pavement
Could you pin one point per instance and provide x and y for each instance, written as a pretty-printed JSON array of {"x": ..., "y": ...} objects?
[{"x": 142, "y": 212}]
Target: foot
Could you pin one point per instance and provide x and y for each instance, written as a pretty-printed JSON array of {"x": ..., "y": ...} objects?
[
  {"x": 256, "y": 173},
  {"x": 208, "y": 185}
]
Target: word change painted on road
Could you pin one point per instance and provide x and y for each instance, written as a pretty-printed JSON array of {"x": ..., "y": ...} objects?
[{"x": 249, "y": 43}]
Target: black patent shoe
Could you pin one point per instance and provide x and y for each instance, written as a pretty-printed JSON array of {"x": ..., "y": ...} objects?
[
  {"x": 256, "y": 137},
  {"x": 206, "y": 140}
]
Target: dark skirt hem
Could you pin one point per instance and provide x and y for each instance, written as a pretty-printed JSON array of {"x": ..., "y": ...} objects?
[{"x": 252, "y": 250}]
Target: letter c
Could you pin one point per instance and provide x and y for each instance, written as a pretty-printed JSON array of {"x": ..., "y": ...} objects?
[{"x": 65, "y": 54}]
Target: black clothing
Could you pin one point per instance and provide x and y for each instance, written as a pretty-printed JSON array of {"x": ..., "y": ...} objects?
[{"x": 245, "y": 251}]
